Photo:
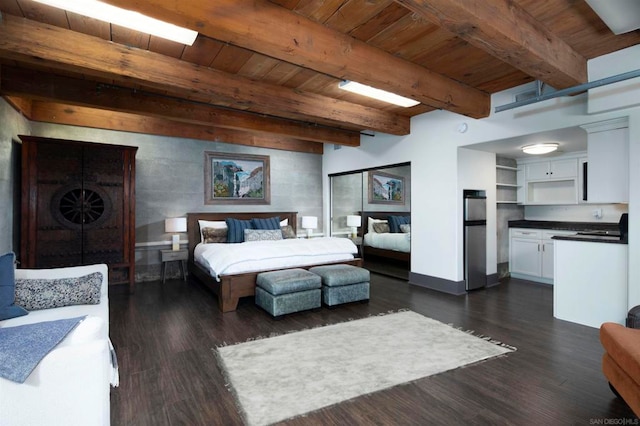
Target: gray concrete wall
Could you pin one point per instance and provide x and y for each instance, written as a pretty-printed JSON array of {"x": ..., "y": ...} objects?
[
  {"x": 170, "y": 183},
  {"x": 12, "y": 124}
]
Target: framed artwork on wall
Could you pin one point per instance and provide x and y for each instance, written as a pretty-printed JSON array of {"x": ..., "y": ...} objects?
[
  {"x": 236, "y": 178},
  {"x": 385, "y": 188}
]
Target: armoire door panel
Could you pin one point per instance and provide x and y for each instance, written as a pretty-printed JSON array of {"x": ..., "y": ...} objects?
[{"x": 78, "y": 206}]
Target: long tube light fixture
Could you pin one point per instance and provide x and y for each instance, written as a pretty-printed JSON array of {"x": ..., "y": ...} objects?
[
  {"x": 126, "y": 18},
  {"x": 379, "y": 94}
]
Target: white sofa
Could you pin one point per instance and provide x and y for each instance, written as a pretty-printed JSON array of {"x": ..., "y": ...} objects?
[{"x": 71, "y": 384}]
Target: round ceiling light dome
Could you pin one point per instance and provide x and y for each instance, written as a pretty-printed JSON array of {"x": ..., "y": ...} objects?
[{"x": 540, "y": 148}]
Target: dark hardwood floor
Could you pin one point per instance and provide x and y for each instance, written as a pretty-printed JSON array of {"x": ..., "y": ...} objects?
[{"x": 165, "y": 337}]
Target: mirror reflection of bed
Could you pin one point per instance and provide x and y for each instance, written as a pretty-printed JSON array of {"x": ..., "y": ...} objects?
[
  {"x": 386, "y": 242},
  {"x": 351, "y": 194}
]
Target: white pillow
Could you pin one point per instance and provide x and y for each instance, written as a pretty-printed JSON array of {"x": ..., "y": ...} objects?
[
  {"x": 372, "y": 221},
  {"x": 284, "y": 222},
  {"x": 219, "y": 224}
]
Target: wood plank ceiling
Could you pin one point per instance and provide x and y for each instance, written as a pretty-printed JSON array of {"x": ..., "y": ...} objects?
[{"x": 266, "y": 73}]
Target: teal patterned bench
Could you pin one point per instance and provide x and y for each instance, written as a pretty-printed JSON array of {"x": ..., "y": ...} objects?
[
  {"x": 343, "y": 283},
  {"x": 287, "y": 291}
]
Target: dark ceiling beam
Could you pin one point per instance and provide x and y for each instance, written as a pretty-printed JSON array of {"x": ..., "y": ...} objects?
[
  {"x": 48, "y": 87},
  {"x": 505, "y": 30},
  {"x": 26, "y": 41},
  {"x": 275, "y": 31},
  {"x": 73, "y": 115}
]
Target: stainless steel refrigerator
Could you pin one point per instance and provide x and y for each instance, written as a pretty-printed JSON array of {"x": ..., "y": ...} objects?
[{"x": 475, "y": 239}]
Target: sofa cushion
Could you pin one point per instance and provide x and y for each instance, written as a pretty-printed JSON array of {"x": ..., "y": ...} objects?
[
  {"x": 40, "y": 293},
  {"x": 623, "y": 346},
  {"x": 8, "y": 308}
]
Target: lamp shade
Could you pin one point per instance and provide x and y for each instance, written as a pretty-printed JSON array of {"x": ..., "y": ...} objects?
[
  {"x": 176, "y": 224},
  {"x": 309, "y": 222},
  {"x": 354, "y": 220}
]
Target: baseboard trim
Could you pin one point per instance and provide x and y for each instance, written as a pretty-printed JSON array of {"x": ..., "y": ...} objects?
[
  {"x": 442, "y": 285},
  {"x": 457, "y": 288}
]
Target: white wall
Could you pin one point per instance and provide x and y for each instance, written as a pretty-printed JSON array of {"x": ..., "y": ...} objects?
[
  {"x": 477, "y": 170},
  {"x": 432, "y": 149}
]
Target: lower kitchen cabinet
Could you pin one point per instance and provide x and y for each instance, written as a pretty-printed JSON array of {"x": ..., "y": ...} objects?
[{"x": 531, "y": 253}]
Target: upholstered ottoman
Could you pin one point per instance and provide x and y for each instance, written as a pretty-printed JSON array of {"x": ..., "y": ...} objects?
[
  {"x": 343, "y": 283},
  {"x": 287, "y": 291}
]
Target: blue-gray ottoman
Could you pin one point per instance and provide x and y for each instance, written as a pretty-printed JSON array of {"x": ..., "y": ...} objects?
[
  {"x": 343, "y": 283},
  {"x": 289, "y": 290}
]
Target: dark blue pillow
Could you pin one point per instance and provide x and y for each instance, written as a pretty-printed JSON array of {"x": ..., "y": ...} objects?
[
  {"x": 235, "y": 229},
  {"x": 396, "y": 221},
  {"x": 270, "y": 223},
  {"x": 7, "y": 288}
]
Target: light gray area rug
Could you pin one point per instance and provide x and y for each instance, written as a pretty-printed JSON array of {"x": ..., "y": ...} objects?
[{"x": 286, "y": 376}]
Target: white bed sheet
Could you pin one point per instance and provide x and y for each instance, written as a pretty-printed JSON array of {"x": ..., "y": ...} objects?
[
  {"x": 226, "y": 259},
  {"x": 389, "y": 241}
]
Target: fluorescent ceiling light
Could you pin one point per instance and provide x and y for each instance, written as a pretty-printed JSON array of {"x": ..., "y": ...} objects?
[
  {"x": 540, "y": 148},
  {"x": 381, "y": 95},
  {"x": 126, "y": 18}
]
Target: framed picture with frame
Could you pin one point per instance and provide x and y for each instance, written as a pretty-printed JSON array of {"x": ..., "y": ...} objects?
[
  {"x": 385, "y": 188},
  {"x": 236, "y": 178}
]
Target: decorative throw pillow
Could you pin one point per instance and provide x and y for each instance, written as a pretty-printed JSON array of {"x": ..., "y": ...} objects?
[
  {"x": 8, "y": 308},
  {"x": 381, "y": 227},
  {"x": 214, "y": 235},
  {"x": 210, "y": 224},
  {"x": 262, "y": 234},
  {"x": 371, "y": 221},
  {"x": 405, "y": 228},
  {"x": 396, "y": 221},
  {"x": 35, "y": 294},
  {"x": 287, "y": 232},
  {"x": 270, "y": 223},
  {"x": 236, "y": 229}
]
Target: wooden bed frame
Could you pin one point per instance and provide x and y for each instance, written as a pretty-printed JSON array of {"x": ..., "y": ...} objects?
[
  {"x": 373, "y": 251},
  {"x": 232, "y": 287}
]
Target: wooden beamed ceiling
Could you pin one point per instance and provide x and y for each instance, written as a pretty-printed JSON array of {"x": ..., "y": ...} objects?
[{"x": 265, "y": 73}]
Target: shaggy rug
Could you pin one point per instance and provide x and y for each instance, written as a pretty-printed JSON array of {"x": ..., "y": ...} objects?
[{"x": 286, "y": 376}]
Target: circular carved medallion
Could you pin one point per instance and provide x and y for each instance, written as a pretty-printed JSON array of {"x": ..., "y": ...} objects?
[{"x": 81, "y": 206}]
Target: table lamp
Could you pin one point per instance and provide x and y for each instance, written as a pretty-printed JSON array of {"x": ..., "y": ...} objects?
[
  {"x": 175, "y": 225},
  {"x": 354, "y": 222},
  {"x": 309, "y": 223}
]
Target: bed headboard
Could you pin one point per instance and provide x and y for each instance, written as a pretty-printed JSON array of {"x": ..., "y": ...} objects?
[
  {"x": 193, "y": 229},
  {"x": 376, "y": 215}
]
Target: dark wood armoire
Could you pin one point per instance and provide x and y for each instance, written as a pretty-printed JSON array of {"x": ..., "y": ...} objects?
[{"x": 78, "y": 206}]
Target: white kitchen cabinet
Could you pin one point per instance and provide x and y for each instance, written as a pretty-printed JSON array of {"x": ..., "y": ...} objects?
[
  {"x": 608, "y": 162},
  {"x": 554, "y": 169},
  {"x": 531, "y": 253},
  {"x": 547, "y": 182}
]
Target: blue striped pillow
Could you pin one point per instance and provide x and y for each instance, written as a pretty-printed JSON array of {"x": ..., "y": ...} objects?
[
  {"x": 270, "y": 223},
  {"x": 235, "y": 229},
  {"x": 396, "y": 221}
]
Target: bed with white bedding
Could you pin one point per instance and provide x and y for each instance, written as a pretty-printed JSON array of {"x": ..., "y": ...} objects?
[
  {"x": 379, "y": 241},
  {"x": 225, "y": 259},
  {"x": 230, "y": 269}
]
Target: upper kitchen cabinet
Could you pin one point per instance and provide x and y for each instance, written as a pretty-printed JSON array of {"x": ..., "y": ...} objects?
[
  {"x": 556, "y": 169},
  {"x": 549, "y": 181},
  {"x": 608, "y": 161}
]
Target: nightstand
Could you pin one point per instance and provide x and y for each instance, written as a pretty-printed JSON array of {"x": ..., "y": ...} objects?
[
  {"x": 358, "y": 242},
  {"x": 172, "y": 256}
]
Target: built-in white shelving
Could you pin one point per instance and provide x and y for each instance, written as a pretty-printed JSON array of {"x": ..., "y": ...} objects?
[{"x": 508, "y": 189}]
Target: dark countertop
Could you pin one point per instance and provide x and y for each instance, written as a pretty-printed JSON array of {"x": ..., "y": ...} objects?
[
  {"x": 564, "y": 226},
  {"x": 591, "y": 238},
  {"x": 574, "y": 226}
]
